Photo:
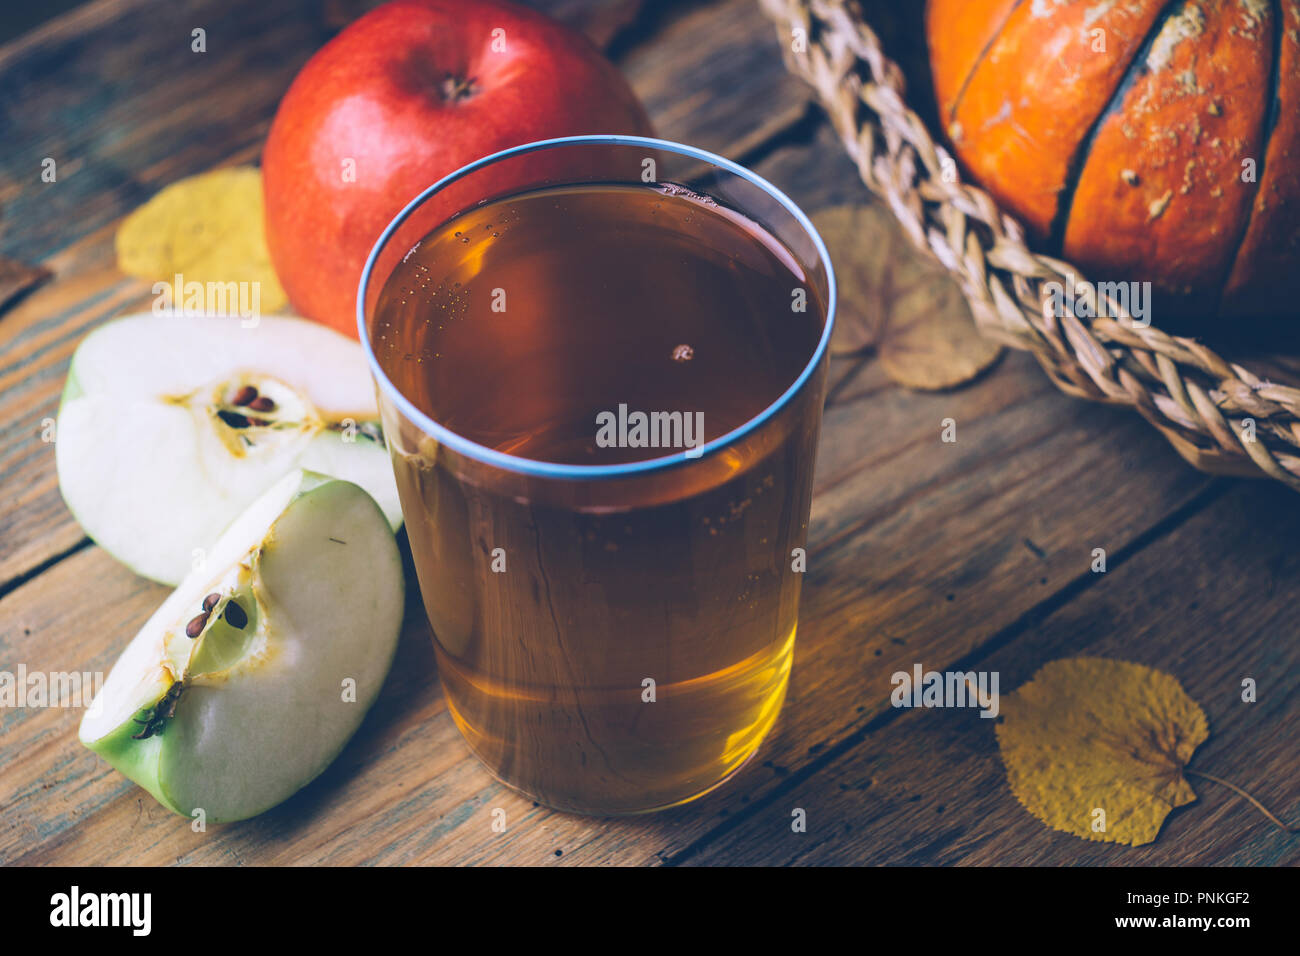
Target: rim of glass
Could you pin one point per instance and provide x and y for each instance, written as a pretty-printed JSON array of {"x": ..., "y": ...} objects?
[{"x": 549, "y": 469}]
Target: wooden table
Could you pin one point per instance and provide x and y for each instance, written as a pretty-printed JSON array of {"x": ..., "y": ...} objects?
[{"x": 973, "y": 554}]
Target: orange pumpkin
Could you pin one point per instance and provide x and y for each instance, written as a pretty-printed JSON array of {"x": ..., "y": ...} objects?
[{"x": 1139, "y": 139}]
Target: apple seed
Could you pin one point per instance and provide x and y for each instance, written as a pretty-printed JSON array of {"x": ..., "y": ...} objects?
[
  {"x": 236, "y": 615},
  {"x": 233, "y": 419}
]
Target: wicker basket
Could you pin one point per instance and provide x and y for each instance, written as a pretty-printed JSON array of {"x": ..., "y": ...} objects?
[{"x": 1221, "y": 415}]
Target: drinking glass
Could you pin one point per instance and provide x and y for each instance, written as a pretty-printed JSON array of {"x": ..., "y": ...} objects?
[{"x": 612, "y": 638}]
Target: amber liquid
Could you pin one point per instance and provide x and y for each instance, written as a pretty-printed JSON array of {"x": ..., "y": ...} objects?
[{"x": 621, "y": 644}]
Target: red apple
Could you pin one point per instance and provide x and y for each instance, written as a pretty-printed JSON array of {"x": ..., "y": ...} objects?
[{"x": 410, "y": 92}]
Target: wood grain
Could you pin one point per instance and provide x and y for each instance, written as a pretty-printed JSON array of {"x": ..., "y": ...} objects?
[
  {"x": 113, "y": 93},
  {"x": 713, "y": 78},
  {"x": 18, "y": 278}
]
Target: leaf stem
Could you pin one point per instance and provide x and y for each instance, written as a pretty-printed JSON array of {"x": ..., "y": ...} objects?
[{"x": 1242, "y": 793}]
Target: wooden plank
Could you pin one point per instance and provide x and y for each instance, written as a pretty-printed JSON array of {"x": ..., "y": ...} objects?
[
  {"x": 713, "y": 78},
  {"x": 44, "y": 767},
  {"x": 1208, "y": 603},
  {"x": 604, "y": 21},
  {"x": 115, "y": 96}
]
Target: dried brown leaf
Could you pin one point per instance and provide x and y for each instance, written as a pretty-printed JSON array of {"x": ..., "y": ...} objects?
[{"x": 895, "y": 300}]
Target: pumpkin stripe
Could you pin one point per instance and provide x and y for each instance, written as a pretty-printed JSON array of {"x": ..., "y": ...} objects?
[
  {"x": 1271, "y": 116},
  {"x": 1275, "y": 102},
  {"x": 984, "y": 52},
  {"x": 1136, "y": 69},
  {"x": 1265, "y": 280}
]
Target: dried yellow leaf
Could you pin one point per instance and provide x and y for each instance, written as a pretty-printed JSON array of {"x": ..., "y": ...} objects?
[
  {"x": 894, "y": 299},
  {"x": 207, "y": 228},
  {"x": 1096, "y": 747}
]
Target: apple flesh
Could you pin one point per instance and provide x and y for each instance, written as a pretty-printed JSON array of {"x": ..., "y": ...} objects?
[
  {"x": 170, "y": 426},
  {"x": 251, "y": 677},
  {"x": 407, "y": 94}
]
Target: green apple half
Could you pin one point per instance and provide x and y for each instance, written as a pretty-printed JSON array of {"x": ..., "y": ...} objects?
[
  {"x": 251, "y": 677},
  {"x": 171, "y": 425}
]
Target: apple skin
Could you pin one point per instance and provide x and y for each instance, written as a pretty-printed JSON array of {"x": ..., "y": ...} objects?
[{"x": 408, "y": 93}]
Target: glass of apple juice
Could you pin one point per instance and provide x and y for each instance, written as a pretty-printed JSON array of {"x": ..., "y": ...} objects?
[{"x": 601, "y": 363}]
